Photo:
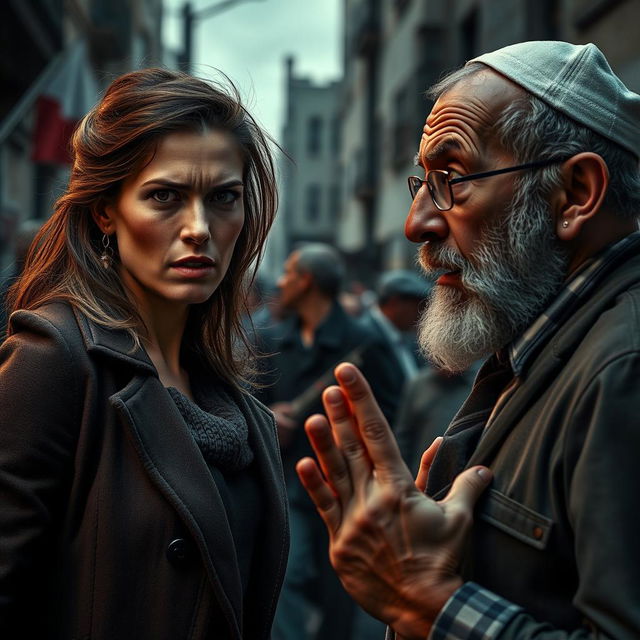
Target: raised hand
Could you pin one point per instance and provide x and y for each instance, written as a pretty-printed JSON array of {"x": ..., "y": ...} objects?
[{"x": 396, "y": 550}]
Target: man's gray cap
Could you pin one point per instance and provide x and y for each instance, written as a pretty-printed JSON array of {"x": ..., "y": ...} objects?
[
  {"x": 402, "y": 282},
  {"x": 576, "y": 80}
]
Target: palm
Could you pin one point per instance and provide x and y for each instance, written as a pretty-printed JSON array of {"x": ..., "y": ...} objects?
[{"x": 396, "y": 550}]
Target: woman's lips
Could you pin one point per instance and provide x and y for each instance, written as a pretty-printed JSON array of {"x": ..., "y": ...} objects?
[{"x": 196, "y": 267}]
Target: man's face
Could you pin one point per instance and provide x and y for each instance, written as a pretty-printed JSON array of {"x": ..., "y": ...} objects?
[
  {"x": 495, "y": 251},
  {"x": 292, "y": 283}
]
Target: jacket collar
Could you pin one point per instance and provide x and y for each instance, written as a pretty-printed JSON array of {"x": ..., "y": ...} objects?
[
  {"x": 161, "y": 439},
  {"x": 546, "y": 366},
  {"x": 114, "y": 343},
  {"x": 329, "y": 332},
  {"x": 576, "y": 290}
]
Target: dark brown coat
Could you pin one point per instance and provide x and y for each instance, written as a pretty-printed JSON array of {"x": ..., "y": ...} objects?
[{"x": 111, "y": 526}]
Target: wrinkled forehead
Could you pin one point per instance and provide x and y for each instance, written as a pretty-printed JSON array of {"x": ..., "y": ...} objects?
[{"x": 465, "y": 115}]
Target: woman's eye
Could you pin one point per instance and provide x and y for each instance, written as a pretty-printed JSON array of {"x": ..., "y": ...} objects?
[
  {"x": 165, "y": 195},
  {"x": 224, "y": 197}
]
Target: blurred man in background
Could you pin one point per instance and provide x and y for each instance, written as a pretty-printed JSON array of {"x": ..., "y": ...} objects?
[{"x": 305, "y": 348}]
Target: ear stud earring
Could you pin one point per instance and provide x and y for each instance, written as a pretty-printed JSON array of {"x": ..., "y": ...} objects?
[{"x": 565, "y": 224}]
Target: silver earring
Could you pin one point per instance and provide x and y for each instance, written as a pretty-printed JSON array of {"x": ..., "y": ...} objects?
[
  {"x": 107, "y": 252},
  {"x": 565, "y": 224}
]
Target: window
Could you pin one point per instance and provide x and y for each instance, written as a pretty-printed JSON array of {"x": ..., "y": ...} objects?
[
  {"x": 334, "y": 203},
  {"x": 335, "y": 135},
  {"x": 469, "y": 35},
  {"x": 314, "y": 135},
  {"x": 313, "y": 204}
]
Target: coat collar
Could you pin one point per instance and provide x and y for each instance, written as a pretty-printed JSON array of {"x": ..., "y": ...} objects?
[
  {"x": 546, "y": 366},
  {"x": 189, "y": 486},
  {"x": 161, "y": 438},
  {"x": 329, "y": 333},
  {"x": 114, "y": 343}
]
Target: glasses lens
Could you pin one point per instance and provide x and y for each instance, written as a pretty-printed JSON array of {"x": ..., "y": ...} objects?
[
  {"x": 440, "y": 189},
  {"x": 414, "y": 186}
]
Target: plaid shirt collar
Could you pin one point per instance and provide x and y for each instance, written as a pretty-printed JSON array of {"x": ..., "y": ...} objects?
[{"x": 575, "y": 290}]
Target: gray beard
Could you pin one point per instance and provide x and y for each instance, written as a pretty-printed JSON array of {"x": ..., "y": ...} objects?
[{"x": 507, "y": 284}]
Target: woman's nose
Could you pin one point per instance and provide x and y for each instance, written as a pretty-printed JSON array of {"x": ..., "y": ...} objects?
[{"x": 196, "y": 227}]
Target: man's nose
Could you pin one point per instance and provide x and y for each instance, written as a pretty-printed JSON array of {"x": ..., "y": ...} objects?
[{"x": 425, "y": 222}]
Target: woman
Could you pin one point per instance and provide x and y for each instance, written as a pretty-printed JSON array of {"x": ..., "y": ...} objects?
[{"x": 141, "y": 491}]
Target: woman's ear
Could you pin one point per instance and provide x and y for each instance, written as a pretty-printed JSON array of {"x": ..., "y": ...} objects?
[
  {"x": 103, "y": 216},
  {"x": 585, "y": 182}
]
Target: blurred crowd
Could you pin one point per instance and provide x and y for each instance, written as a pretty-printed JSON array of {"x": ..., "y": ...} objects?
[{"x": 303, "y": 324}]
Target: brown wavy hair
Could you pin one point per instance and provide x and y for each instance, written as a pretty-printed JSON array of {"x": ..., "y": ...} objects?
[{"x": 115, "y": 140}]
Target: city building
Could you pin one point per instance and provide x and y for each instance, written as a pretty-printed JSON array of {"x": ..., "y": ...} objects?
[
  {"x": 55, "y": 57},
  {"x": 310, "y": 197},
  {"x": 393, "y": 51}
]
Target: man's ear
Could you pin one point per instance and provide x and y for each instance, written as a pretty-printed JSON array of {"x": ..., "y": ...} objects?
[
  {"x": 307, "y": 279},
  {"x": 585, "y": 182},
  {"x": 103, "y": 216}
]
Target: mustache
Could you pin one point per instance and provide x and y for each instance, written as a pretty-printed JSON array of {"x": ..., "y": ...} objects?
[{"x": 435, "y": 260}]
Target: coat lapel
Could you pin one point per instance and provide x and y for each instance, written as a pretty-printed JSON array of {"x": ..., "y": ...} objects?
[
  {"x": 273, "y": 549},
  {"x": 174, "y": 463},
  {"x": 548, "y": 364}
]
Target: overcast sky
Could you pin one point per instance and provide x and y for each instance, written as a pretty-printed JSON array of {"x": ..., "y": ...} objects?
[{"x": 250, "y": 41}]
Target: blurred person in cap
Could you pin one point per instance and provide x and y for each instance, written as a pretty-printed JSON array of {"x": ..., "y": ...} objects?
[
  {"x": 526, "y": 209},
  {"x": 304, "y": 350},
  {"x": 394, "y": 317},
  {"x": 429, "y": 401}
]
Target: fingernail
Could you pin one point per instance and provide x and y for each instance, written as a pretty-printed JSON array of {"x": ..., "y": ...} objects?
[
  {"x": 484, "y": 473},
  {"x": 333, "y": 396},
  {"x": 347, "y": 375}
]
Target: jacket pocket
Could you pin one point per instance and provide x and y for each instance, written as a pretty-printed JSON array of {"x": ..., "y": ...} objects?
[{"x": 514, "y": 518}]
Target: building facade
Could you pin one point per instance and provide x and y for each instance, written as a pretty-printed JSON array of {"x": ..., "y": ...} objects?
[
  {"x": 310, "y": 197},
  {"x": 78, "y": 46},
  {"x": 394, "y": 50}
]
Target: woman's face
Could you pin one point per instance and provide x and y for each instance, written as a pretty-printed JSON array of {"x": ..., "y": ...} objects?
[{"x": 178, "y": 219}]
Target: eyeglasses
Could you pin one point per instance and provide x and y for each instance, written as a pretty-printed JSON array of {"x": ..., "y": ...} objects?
[{"x": 440, "y": 184}]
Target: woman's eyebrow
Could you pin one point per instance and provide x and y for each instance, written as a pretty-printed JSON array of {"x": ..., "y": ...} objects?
[{"x": 166, "y": 182}]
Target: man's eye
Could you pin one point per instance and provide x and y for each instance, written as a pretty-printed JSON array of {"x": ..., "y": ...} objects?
[{"x": 165, "y": 195}]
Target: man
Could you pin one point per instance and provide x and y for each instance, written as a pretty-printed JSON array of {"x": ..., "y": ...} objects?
[
  {"x": 305, "y": 349},
  {"x": 394, "y": 317},
  {"x": 528, "y": 210}
]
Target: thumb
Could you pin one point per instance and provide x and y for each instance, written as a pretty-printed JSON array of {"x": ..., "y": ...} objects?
[{"x": 468, "y": 487}]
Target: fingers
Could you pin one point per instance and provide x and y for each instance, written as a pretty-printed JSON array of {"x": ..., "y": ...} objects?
[
  {"x": 372, "y": 425},
  {"x": 466, "y": 490},
  {"x": 320, "y": 493},
  {"x": 330, "y": 456},
  {"x": 425, "y": 464},
  {"x": 347, "y": 435}
]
